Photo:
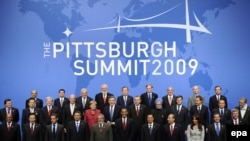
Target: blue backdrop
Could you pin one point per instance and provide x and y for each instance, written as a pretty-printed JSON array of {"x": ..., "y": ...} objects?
[{"x": 48, "y": 45}]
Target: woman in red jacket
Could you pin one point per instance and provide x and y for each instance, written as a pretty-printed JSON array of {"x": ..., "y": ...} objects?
[{"x": 91, "y": 114}]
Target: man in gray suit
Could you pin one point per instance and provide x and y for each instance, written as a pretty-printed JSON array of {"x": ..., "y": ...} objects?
[
  {"x": 191, "y": 99},
  {"x": 101, "y": 131}
]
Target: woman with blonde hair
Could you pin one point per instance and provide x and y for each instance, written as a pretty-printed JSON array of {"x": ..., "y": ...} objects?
[{"x": 91, "y": 114}]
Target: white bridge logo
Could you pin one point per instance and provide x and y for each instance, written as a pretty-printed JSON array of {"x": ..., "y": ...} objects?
[{"x": 187, "y": 26}]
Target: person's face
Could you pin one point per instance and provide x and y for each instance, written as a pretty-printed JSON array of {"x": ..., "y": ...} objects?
[
  {"x": 198, "y": 101},
  {"x": 195, "y": 121},
  {"x": 196, "y": 90},
  {"x": 111, "y": 101},
  {"x": 179, "y": 101},
  {"x": 61, "y": 93},
  {"x": 150, "y": 118},
  {"x": 170, "y": 91},
  {"x": 158, "y": 105},
  {"x": 104, "y": 88},
  {"x": 84, "y": 93},
  {"x": 100, "y": 119},
  {"x": 92, "y": 106},
  {"x": 33, "y": 94},
  {"x": 216, "y": 118},
  {"x": 9, "y": 118},
  {"x": 32, "y": 103},
  {"x": 72, "y": 99},
  {"x": 242, "y": 103},
  {"x": 77, "y": 116},
  {"x": 137, "y": 100},
  {"x": 217, "y": 90},
  {"x": 125, "y": 91},
  {"x": 149, "y": 89},
  {"x": 32, "y": 118},
  {"x": 124, "y": 113},
  {"x": 8, "y": 104},
  {"x": 170, "y": 119},
  {"x": 53, "y": 119},
  {"x": 222, "y": 104},
  {"x": 235, "y": 115},
  {"x": 49, "y": 102}
]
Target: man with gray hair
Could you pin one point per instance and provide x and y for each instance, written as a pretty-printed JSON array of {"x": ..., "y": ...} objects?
[
  {"x": 46, "y": 112},
  {"x": 101, "y": 131},
  {"x": 84, "y": 100},
  {"x": 244, "y": 111},
  {"x": 235, "y": 118}
]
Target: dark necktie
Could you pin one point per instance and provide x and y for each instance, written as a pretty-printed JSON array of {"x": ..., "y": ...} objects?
[
  {"x": 221, "y": 114},
  {"x": 149, "y": 98},
  {"x": 77, "y": 127},
  {"x": 217, "y": 129},
  {"x": 171, "y": 130},
  {"x": 111, "y": 112},
  {"x": 32, "y": 128},
  {"x": 125, "y": 100},
  {"x": 9, "y": 126},
  {"x": 54, "y": 129},
  {"x": 124, "y": 123},
  {"x": 150, "y": 129},
  {"x": 178, "y": 109}
]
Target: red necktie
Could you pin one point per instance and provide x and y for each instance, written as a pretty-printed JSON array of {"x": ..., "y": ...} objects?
[
  {"x": 104, "y": 98},
  {"x": 32, "y": 128},
  {"x": 137, "y": 110},
  {"x": 171, "y": 130},
  {"x": 9, "y": 126},
  {"x": 49, "y": 111},
  {"x": 8, "y": 110},
  {"x": 124, "y": 123}
]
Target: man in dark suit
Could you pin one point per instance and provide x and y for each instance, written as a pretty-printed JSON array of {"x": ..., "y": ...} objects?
[
  {"x": 125, "y": 100},
  {"x": 216, "y": 131},
  {"x": 201, "y": 110},
  {"x": 235, "y": 120},
  {"x": 244, "y": 111},
  {"x": 84, "y": 100},
  {"x": 148, "y": 98},
  {"x": 124, "y": 127},
  {"x": 32, "y": 131},
  {"x": 180, "y": 112},
  {"x": 38, "y": 101},
  {"x": 172, "y": 131},
  {"x": 112, "y": 113},
  {"x": 151, "y": 131},
  {"x": 46, "y": 112},
  {"x": 170, "y": 99},
  {"x": 160, "y": 114},
  {"x": 27, "y": 111},
  {"x": 138, "y": 113},
  {"x": 69, "y": 110},
  {"x": 60, "y": 103},
  {"x": 102, "y": 97},
  {"x": 101, "y": 131},
  {"x": 54, "y": 131},
  {"x": 9, "y": 109},
  {"x": 78, "y": 130},
  {"x": 9, "y": 130},
  {"x": 214, "y": 100},
  {"x": 225, "y": 114}
]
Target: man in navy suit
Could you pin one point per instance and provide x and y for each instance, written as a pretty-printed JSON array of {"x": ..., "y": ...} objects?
[
  {"x": 214, "y": 100},
  {"x": 38, "y": 101},
  {"x": 78, "y": 130},
  {"x": 151, "y": 131},
  {"x": 84, "y": 100},
  {"x": 124, "y": 127},
  {"x": 148, "y": 98},
  {"x": 9, "y": 109},
  {"x": 54, "y": 131},
  {"x": 216, "y": 131},
  {"x": 102, "y": 97},
  {"x": 125, "y": 100},
  {"x": 9, "y": 130},
  {"x": 60, "y": 102},
  {"x": 173, "y": 131}
]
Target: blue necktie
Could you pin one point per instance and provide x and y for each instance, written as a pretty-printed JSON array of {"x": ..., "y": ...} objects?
[
  {"x": 77, "y": 127},
  {"x": 111, "y": 113},
  {"x": 149, "y": 99},
  {"x": 217, "y": 129},
  {"x": 125, "y": 100}
]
